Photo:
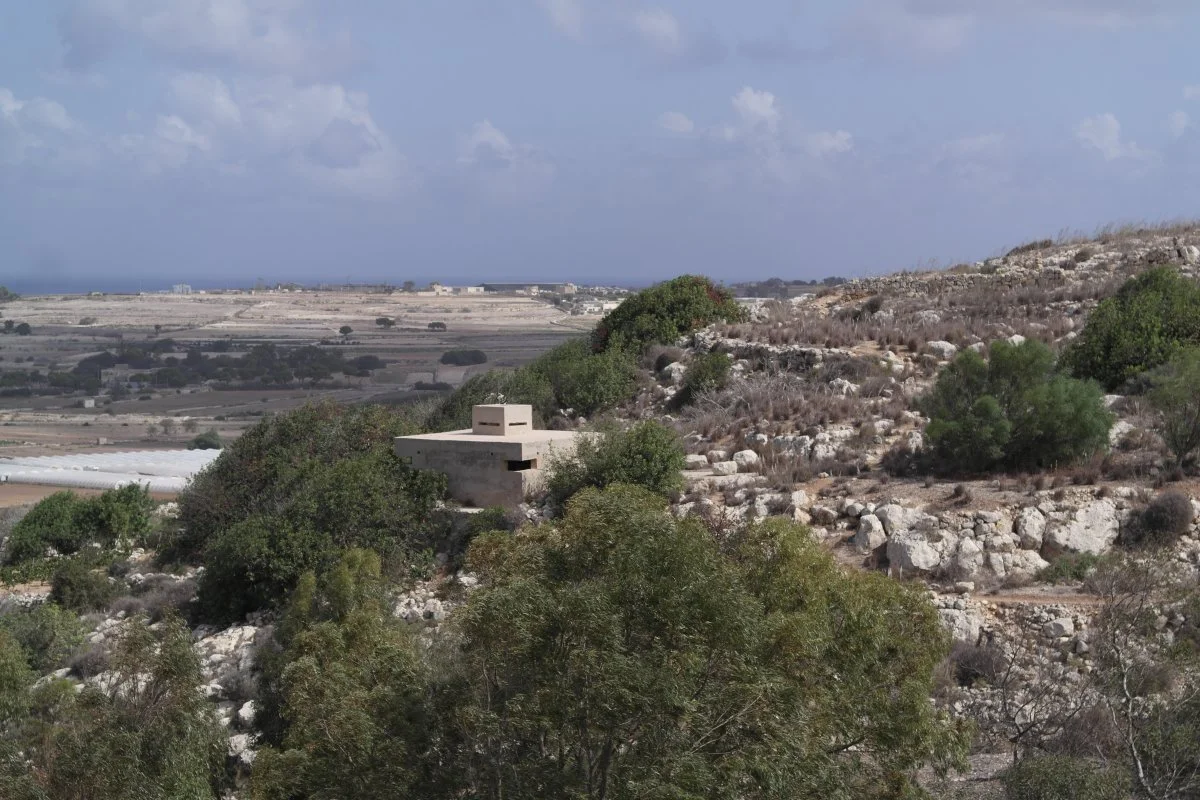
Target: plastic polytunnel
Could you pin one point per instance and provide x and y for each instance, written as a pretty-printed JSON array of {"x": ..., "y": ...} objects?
[{"x": 157, "y": 470}]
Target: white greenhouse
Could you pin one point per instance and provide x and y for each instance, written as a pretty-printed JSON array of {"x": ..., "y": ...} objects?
[{"x": 157, "y": 470}]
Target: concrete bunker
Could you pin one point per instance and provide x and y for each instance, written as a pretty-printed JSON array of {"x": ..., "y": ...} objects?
[{"x": 497, "y": 462}]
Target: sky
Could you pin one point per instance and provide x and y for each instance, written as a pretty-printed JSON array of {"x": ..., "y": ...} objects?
[{"x": 148, "y": 142}]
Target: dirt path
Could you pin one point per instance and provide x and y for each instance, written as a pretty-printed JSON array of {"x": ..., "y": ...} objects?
[{"x": 1046, "y": 598}]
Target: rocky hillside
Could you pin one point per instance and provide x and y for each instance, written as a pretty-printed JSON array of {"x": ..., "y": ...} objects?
[
  {"x": 818, "y": 422},
  {"x": 819, "y": 417}
]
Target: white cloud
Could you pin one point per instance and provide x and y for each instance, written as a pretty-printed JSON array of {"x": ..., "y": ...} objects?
[
  {"x": 273, "y": 127},
  {"x": 272, "y": 36},
  {"x": 981, "y": 162},
  {"x": 764, "y": 143},
  {"x": 1191, "y": 92},
  {"x": 566, "y": 15},
  {"x": 1103, "y": 133},
  {"x": 36, "y": 129},
  {"x": 170, "y": 145},
  {"x": 660, "y": 29},
  {"x": 676, "y": 122},
  {"x": 756, "y": 108},
  {"x": 499, "y": 169},
  {"x": 206, "y": 97},
  {"x": 1178, "y": 123},
  {"x": 827, "y": 143}
]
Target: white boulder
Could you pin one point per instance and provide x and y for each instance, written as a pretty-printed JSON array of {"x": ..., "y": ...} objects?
[
  {"x": 870, "y": 535},
  {"x": 1030, "y": 528},
  {"x": 745, "y": 458},
  {"x": 943, "y": 350},
  {"x": 1090, "y": 529}
]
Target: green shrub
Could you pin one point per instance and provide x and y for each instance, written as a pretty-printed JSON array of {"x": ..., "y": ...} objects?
[
  {"x": 152, "y": 734},
  {"x": 47, "y": 632},
  {"x": 53, "y": 522},
  {"x": 78, "y": 587},
  {"x": 647, "y": 627},
  {"x": 1175, "y": 396},
  {"x": 584, "y": 381},
  {"x": 1064, "y": 778},
  {"x": 464, "y": 358},
  {"x": 292, "y": 493},
  {"x": 209, "y": 440},
  {"x": 344, "y": 699},
  {"x": 118, "y": 516},
  {"x": 516, "y": 386},
  {"x": 1069, "y": 568},
  {"x": 707, "y": 373},
  {"x": 66, "y": 522},
  {"x": 569, "y": 376},
  {"x": 1012, "y": 411},
  {"x": 1139, "y": 328},
  {"x": 648, "y": 454},
  {"x": 665, "y": 312}
]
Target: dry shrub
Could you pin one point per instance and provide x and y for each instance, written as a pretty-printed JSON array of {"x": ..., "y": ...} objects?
[
  {"x": 89, "y": 661},
  {"x": 972, "y": 664},
  {"x": 1164, "y": 519},
  {"x": 658, "y": 357}
]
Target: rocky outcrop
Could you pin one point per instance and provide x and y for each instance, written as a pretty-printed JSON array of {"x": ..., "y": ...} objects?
[{"x": 1092, "y": 528}]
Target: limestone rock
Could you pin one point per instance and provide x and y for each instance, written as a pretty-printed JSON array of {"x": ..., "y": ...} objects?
[
  {"x": 898, "y": 519},
  {"x": 725, "y": 468},
  {"x": 943, "y": 350},
  {"x": 745, "y": 458},
  {"x": 1063, "y": 626},
  {"x": 870, "y": 534},
  {"x": 245, "y": 714},
  {"x": 823, "y": 515},
  {"x": 920, "y": 552},
  {"x": 964, "y": 624},
  {"x": 968, "y": 559},
  {"x": 1090, "y": 529},
  {"x": 1031, "y": 527},
  {"x": 693, "y": 462},
  {"x": 674, "y": 372}
]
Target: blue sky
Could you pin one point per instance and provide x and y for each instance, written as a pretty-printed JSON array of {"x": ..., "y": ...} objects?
[{"x": 215, "y": 141}]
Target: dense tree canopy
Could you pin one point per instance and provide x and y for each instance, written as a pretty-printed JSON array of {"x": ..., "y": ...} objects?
[
  {"x": 1012, "y": 410},
  {"x": 664, "y": 312},
  {"x": 568, "y": 377},
  {"x": 1139, "y": 328},
  {"x": 648, "y": 454},
  {"x": 146, "y": 733},
  {"x": 293, "y": 492},
  {"x": 617, "y": 653},
  {"x": 66, "y": 522}
]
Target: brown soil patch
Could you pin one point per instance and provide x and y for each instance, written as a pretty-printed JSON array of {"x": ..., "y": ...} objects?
[{"x": 21, "y": 494}]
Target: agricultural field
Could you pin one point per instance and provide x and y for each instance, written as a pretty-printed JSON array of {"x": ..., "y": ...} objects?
[{"x": 67, "y": 330}]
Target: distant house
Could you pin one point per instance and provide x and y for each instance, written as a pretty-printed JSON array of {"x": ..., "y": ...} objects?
[{"x": 181, "y": 288}]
